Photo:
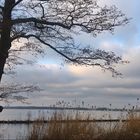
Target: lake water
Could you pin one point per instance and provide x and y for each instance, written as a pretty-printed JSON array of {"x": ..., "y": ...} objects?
[{"x": 19, "y": 131}]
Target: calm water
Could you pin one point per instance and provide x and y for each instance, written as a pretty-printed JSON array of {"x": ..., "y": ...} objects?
[
  {"x": 19, "y": 131},
  {"x": 25, "y": 114}
]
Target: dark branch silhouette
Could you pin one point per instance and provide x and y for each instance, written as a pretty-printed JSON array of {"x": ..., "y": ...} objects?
[
  {"x": 53, "y": 24},
  {"x": 11, "y": 92}
]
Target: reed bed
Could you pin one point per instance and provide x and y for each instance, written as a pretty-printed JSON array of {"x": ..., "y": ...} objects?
[{"x": 73, "y": 129}]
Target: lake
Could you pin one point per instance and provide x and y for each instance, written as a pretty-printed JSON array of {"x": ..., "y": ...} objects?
[{"x": 19, "y": 131}]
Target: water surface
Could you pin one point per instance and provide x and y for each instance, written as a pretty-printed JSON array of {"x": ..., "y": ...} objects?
[{"x": 20, "y": 131}]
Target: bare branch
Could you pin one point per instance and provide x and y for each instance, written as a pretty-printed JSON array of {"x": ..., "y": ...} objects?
[
  {"x": 34, "y": 20},
  {"x": 1, "y": 7},
  {"x": 10, "y": 92},
  {"x": 86, "y": 56},
  {"x": 31, "y": 35},
  {"x": 16, "y": 3},
  {"x": 53, "y": 23}
]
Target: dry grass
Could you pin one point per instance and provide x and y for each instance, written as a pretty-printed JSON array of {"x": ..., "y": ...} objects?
[{"x": 76, "y": 130}]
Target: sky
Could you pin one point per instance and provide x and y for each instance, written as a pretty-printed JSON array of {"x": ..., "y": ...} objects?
[{"x": 61, "y": 81}]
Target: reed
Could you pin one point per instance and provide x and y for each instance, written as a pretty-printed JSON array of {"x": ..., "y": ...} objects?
[{"x": 74, "y": 129}]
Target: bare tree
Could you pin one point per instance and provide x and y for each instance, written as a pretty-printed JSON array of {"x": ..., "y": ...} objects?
[
  {"x": 11, "y": 92},
  {"x": 53, "y": 23}
]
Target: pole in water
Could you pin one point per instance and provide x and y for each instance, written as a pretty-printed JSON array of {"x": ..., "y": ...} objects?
[{"x": 1, "y": 108}]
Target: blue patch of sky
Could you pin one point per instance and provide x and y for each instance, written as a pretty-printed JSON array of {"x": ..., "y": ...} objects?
[{"x": 126, "y": 36}]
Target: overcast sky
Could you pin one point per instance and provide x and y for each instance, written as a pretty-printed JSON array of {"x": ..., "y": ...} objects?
[{"x": 91, "y": 85}]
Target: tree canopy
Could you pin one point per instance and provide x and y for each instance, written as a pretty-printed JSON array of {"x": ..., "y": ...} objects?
[{"x": 53, "y": 24}]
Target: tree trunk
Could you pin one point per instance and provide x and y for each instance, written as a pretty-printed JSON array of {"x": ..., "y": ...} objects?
[
  {"x": 5, "y": 40},
  {"x": 2, "y": 63}
]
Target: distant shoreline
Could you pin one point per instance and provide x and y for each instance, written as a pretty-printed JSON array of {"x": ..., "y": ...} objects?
[{"x": 69, "y": 108}]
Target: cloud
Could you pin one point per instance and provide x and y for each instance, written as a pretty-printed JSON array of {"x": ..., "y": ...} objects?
[
  {"x": 133, "y": 55},
  {"x": 91, "y": 84},
  {"x": 83, "y": 83}
]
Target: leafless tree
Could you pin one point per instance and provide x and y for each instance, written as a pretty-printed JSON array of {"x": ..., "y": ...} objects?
[
  {"x": 15, "y": 92},
  {"x": 53, "y": 23}
]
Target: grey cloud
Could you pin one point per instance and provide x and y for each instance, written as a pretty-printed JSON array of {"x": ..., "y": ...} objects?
[
  {"x": 94, "y": 85},
  {"x": 44, "y": 75}
]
